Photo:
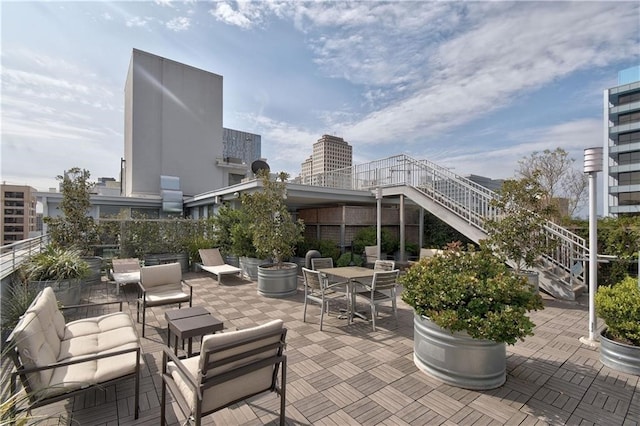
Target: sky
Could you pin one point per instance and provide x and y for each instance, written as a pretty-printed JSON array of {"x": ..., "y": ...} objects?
[{"x": 473, "y": 86}]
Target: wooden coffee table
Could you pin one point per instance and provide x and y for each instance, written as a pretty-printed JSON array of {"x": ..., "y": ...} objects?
[{"x": 188, "y": 323}]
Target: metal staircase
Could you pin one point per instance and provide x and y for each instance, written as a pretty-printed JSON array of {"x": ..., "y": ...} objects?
[{"x": 464, "y": 205}]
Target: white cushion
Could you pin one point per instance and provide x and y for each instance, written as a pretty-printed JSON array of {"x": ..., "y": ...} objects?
[
  {"x": 36, "y": 338},
  {"x": 46, "y": 303},
  {"x": 160, "y": 275},
  {"x": 164, "y": 295},
  {"x": 30, "y": 337},
  {"x": 220, "y": 395}
]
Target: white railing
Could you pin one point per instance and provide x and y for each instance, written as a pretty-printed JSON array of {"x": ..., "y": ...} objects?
[
  {"x": 463, "y": 197},
  {"x": 14, "y": 254}
]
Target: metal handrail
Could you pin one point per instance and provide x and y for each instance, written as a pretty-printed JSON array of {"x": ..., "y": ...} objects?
[
  {"x": 461, "y": 196},
  {"x": 14, "y": 254}
]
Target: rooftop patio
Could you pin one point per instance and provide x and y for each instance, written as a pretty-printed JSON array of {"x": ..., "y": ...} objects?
[{"x": 348, "y": 374}]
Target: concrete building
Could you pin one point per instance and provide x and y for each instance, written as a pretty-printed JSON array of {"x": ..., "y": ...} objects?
[
  {"x": 18, "y": 214},
  {"x": 240, "y": 150},
  {"x": 173, "y": 128},
  {"x": 622, "y": 145},
  {"x": 329, "y": 153}
]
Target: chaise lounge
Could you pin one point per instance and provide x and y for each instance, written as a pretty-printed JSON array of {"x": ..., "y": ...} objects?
[{"x": 212, "y": 262}]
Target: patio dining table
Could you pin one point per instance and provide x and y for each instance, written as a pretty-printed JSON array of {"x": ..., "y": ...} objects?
[{"x": 351, "y": 274}]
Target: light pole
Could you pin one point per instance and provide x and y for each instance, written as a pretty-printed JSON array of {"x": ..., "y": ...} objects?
[{"x": 592, "y": 165}]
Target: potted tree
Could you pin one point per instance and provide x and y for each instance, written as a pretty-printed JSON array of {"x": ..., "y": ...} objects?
[
  {"x": 619, "y": 307},
  {"x": 468, "y": 305},
  {"x": 223, "y": 222},
  {"x": 517, "y": 233},
  {"x": 275, "y": 235},
  {"x": 75, "y": 227},
  {"x": 63, "y": 269}
]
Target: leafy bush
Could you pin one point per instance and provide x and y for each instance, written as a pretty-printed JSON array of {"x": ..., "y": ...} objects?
[
  {"x": 619, "y": 307},
  {"x": 369, "y": 237},
  {"x": 15, "y": 303},
  {"x": 347, "y": 258},
  {"x": 327, "y": 248},
  {"x": 471, "y": 291},
  {"x": 55, "y": 264}
]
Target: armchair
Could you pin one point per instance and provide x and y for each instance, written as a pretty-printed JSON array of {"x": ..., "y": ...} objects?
[
  {"x": 161, "y": 285},
  {"x": 231, "y": 367}
]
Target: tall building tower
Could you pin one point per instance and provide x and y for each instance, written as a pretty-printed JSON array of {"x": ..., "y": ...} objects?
[
  {"x": 329, "y": 153},
  {"x": 622, "y": 145},
  {"x": 18, "y": 215},
  {"x": 173, "y": 129}
]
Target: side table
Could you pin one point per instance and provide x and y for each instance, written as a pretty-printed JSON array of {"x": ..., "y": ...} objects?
[{"x": 188, "y": 323}]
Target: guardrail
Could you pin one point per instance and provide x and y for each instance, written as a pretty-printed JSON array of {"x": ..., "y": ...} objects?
[{"x": 14, "y": 254}]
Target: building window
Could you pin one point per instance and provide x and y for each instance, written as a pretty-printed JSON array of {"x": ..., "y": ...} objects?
[
  {"x": 629, "y": 158},
  {"x": 629, "y": 118},
  {"x": 142, "y": 213},
  {"x": 631, "y": 178},
  {"x": 627, "y": 99},
  {"x": 629, "y": 199},
  {"x": 626, "y": 138}
]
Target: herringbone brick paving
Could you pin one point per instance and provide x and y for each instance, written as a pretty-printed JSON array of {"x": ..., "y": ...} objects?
[{"x": 350, "y": 375}]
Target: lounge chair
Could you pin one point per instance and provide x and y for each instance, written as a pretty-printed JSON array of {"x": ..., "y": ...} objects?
[{"x": 213, "y": 262}]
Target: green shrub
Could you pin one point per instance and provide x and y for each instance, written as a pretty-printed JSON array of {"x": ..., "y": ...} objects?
[
  {"x": 619, "y": 307},
  {"x": 55, "y": 264},
  {"x": 348, "y": 258},
  {"x": 471, "y": 291},
  {"x": 369, "y": 237}
]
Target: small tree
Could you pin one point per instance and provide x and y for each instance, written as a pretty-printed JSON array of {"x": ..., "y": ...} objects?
[
  {"x": 517, "y": 234},
  {"x": 223, "y": 222},
  {"x": 274, "y": 232},
  {"x": 558, "y": 179},
  {"x": 75, "y": 227}
]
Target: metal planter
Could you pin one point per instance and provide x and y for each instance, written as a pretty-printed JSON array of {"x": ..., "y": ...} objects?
[
  {"x": 619, "y": 356},
  {"x": 458, "y": 359},
  {"x": 249, "y": 266},
  {"x": 274, "y": 282}
]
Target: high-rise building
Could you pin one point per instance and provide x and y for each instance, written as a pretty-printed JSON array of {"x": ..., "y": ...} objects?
[
  {"x": 622, "y": 145},
  {"x": 329, "y": 153},
  {"x": 18, "y": 215}
]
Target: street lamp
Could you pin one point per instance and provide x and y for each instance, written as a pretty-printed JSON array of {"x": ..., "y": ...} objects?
[{"x": 592, "y": 165}]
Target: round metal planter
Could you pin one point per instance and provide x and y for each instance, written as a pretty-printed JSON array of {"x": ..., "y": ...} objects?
[
  {"x": 67, "y": 292},
  {"x": 619, "y": 356},
  {"x": 249, "y": 266},
  {"x": 458, "y": 359},
  {"x": 274, "y": 282},
  {"x": 95, "y": 266}
]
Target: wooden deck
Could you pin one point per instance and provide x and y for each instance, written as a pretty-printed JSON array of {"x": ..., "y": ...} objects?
[{"x": 350, "y": 375}]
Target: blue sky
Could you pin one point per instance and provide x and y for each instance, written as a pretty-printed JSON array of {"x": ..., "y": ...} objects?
[{"x": 475, "y": 86}]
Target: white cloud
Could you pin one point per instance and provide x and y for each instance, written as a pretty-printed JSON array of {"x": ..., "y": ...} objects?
[
  {"x": 137, "y": 21},
  {"x": 178, "y": 24}
]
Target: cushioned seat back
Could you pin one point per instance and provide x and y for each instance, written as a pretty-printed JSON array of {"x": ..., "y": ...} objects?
[
  {"x": 161, "y": 275},
  {"x": 214, "y": 360},
  {"x": 126, "y": 265},
  {"x": 429, "y": 252},
  {"x": 371, "y": 253},
  {"x": 211, "y": 257},
  {"x": 38, "y": 337}
]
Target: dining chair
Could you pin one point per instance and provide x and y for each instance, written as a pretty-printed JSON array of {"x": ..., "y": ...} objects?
[
  {"x": 325, "y": 263},
  {"x": 382, "y": 289},
  {"x": 318, "y": 289},
  {"x": 384, "y": 265}
]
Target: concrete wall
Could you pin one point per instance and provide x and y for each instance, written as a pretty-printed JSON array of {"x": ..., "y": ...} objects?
[{"x": 173, "y": 126}]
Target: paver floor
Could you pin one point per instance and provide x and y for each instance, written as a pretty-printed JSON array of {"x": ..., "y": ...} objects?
[{"x": 350, "y": 375}]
